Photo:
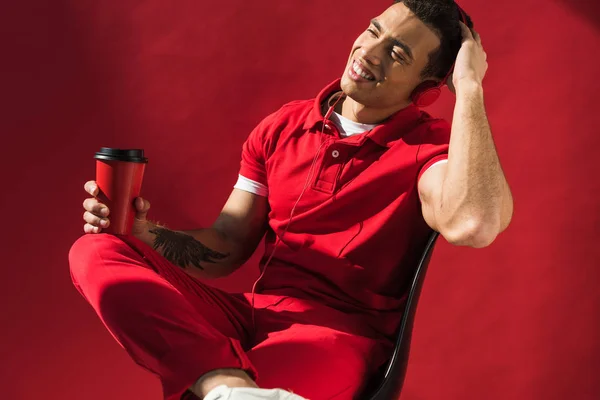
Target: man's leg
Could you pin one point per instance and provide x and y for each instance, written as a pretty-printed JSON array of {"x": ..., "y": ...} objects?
[
  {"x": 315, "y": 351},
  {"x": 315, "y": 362},
  {"x": 169, "y": 323}
]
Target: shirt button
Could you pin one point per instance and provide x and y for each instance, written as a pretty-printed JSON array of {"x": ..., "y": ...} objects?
[
  {"x": 327, "y": 126},
  {"x": 335, "y": 154}
]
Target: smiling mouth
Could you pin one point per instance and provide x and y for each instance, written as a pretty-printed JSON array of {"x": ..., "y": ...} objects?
[{"x": 358, "y": 70}]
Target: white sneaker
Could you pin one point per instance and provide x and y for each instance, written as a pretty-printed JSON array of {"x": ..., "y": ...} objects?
[{"x": 241, "y": 393}]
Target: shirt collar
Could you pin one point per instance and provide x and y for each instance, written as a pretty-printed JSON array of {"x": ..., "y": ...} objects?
[{"x": 383, "y": 134}]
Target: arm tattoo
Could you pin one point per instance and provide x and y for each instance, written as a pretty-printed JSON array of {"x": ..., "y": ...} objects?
[{"x": 183, "y": 250}]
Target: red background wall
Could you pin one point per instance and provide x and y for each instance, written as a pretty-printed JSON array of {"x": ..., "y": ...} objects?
[{"x": 188, "y": 80}]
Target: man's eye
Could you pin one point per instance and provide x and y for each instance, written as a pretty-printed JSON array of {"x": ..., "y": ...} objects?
[
  {"x": 372, "y": 32},
  {"x": 398, "y": 57}
]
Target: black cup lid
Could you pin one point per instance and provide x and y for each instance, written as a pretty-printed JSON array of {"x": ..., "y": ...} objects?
[{"x": 128, "y": 155}]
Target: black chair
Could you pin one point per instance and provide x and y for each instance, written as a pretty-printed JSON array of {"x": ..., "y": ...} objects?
[{"x": 388, "y": 384}]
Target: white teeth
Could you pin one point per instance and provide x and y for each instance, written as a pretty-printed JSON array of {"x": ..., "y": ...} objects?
[{"x": 362, "y": 73}]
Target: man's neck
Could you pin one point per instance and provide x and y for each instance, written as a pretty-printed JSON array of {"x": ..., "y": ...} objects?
[{"x": 357, "y": 112}]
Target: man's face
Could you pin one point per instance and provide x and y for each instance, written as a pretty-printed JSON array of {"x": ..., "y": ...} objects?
[{"x": 387, "y": 59}]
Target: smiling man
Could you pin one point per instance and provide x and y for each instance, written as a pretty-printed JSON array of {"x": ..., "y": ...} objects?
[{"x": 346, "y": 187}]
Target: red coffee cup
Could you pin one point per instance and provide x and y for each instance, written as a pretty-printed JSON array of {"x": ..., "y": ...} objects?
[{"x": 119, "y": 175}]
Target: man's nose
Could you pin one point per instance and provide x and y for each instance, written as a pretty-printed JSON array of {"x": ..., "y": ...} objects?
[{"x": 370, "y": 53}]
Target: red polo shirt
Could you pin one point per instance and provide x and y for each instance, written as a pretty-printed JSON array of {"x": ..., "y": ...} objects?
[{"x": 358, "y": 230}]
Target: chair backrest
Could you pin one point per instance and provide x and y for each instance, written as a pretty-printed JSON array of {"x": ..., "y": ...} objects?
[{"x": 390, "y": 384}]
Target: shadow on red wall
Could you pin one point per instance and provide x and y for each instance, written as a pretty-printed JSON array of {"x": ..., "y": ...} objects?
[{"x": 588, "y": 9}]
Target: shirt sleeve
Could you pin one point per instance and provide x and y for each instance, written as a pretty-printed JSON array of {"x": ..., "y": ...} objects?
[
  {"x": 434, "y": 148},
  {"x": 252, "y": 165},
  {"x": 256, "y": 150}
]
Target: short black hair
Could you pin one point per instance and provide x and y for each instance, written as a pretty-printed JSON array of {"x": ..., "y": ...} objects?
[{"x": 441, "y": 16}]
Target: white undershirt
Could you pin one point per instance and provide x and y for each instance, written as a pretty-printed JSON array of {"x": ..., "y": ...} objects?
[{"x": 348, "y": 127}]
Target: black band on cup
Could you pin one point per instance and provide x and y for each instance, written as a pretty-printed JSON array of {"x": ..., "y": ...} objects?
[{"x": 127, "y": 155}]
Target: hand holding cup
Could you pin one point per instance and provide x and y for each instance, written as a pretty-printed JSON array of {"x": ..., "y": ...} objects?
[
  {"x": 97, "y": 214},
  {"x": 116, "y": 206}
]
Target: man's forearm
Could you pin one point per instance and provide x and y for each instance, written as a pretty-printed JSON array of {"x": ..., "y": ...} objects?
[
  {"x": 475, "y": 194},
  {"x": 202, "y": 253}
]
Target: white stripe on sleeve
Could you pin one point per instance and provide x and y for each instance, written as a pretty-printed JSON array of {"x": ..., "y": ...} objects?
[
  {"x": 251, "y": 186},
  {"x": 438, "y": 162}
]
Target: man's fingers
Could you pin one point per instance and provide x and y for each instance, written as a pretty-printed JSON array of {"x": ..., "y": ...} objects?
[
  {"x": 476, "y": 37},
  {"x": 91, "y": 187},
  {"x": 141, "y": 206},
  {"x": 95, "y": 220},
  {"x": 87, "y": 228},
  {"x": 92, "y": 205},
  {"x": 466, "y": 32}
]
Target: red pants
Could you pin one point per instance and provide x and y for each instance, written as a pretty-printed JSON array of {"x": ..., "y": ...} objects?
[{"x": 179, "y": 328}]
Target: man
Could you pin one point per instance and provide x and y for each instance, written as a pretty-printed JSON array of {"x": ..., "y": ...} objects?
[{"x": 346, "y": 187}]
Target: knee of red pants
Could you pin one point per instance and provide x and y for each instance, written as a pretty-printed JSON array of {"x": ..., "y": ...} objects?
[
  {"x": 147, "y": 315},
  {"x": 115, "y": 280},
  {"x": 84, "y": 253},
  {"x": 111, "y": 274},
  {"x": 98, "y": 266}
]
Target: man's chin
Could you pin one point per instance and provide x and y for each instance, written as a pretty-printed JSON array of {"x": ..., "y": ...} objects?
[{"x": 349, "y": 87}]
